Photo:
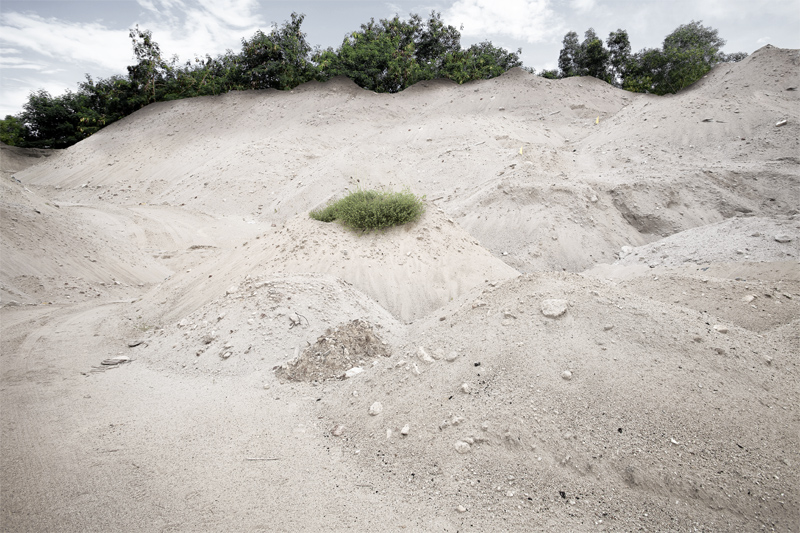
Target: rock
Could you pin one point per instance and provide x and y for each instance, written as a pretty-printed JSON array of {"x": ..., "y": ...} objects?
[
  {"x": 566, "y": 375},
  {"x": 405, "y": 430},
  {"x": 625, "y": 251},
  {"x": 465, "y": 388},
  {"x": 461, "y": 509},
  {"x": 422, "y": 354},
  {"x": 608, "y": 327},
  {"x": 554, "y": 308},
  {"x": 233, "y": 289},
  {"x": 781, "y": 123},
  {"x": 783, "y": 238},
  {"x": 116, "y": 360},
  {"x": 376, "y": 409},
  {"x": 462, "y": 447},
  {"x": 134, "y": 343},
  {"x": 749, "y": 298},
  {"x": 337, "y": 430},
  {"x": 719, "y": 328},
  {"x": 353, "y": 372},
  {"x": 452, "y": 356},
  {"x": 226, "y": 355}
]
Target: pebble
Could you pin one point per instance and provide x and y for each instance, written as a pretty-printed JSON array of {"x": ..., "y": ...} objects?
[
  {"x": 566, "y": 375},
  {"x": 720, "y": 328},
  {"x": 783, "y": 238},
  {"x": 353, "y": 372},
  {"x": 461, "y": 509},
  {"x": 233, "y": 289},
  {"x": 337, "y": 430},
  {"x": 749, "y": 298},
  {"x": 405, "y": 430},
  {"x": 452, "y": 356},
  {"x": 226, "y": 355},
  {"x": 608, "y": 327},
  {"x": 465, "y": 388},
  {"x": 554, "y": 308},
  {"x": 462, "y": 447},
  {"x": 376, "y": 408},
  {"x": 424, "y": 355}
]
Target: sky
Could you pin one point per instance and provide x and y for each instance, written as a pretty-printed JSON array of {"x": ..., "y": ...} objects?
[{"x": 53, "y": 44}]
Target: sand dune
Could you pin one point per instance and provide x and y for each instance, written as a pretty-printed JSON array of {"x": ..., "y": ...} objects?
[{"x": 594, "y": 326}]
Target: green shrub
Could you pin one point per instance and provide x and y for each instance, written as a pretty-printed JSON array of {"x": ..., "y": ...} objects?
[{"x": 366, "y": 210}]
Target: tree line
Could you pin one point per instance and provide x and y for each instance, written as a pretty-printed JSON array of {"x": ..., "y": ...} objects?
[{"x": 384, "y": 56}]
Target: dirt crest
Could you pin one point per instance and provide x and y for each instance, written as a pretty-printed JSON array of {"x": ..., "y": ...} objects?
[{"x": 594, "y": 327}]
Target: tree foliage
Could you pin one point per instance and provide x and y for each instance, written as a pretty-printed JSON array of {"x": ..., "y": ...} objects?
[
  {"x": 687, "y": 54},
  {"x": 12, "y": 131}
]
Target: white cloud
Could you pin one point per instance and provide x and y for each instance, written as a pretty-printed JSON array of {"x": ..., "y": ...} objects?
[
  {"x": 88, "y": 43},
  {"x": 529, "y": 20},
  {"x": 583, "y": 6}
]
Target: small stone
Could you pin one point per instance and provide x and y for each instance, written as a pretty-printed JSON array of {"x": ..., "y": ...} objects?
[
  {"x": 783, "y": 238},
  {"x": 719, "y": 328},
  {"x": 465, "y": 388},
  {"x": 422, "y": 354},
  {"x": 227, "y": 355},
  {"x": 456, "y": 420},
  {"x": 353, "y": 372},
  {"x": 452, "y": 356},
  {"x": 787, "y": 295},
  {"x": 749, "y": 298},
  {"x": 554, "y": 308},
  {"x": 337, "y": 430},
  {"x": 608, "y": 327},
  {"x": 461, "y": 509},
  {"x": 566, "y": 375},
  {"x": 405, "y": 430},
  {"x": 781, "y": 123},
  {"x": 462, "y": 447},
  {"x": 233, "y": 289},
  {"x": 134, "y": 343},
  {"x": 376, "y": 409}
]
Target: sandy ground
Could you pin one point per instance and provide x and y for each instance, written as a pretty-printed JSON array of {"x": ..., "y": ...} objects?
[{"x": 594, "y": 326}]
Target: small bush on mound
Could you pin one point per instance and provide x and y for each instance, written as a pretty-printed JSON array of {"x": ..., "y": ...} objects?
[{"x": 366, "y": 210}]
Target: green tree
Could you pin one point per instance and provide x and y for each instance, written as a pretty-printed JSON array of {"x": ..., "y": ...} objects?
[
  {"x": 380, "y": 57},
  {"x": 593, "y": 59},
  {"x": 150, "y": 70},
  {"x": 551, "y": 74},
  {"x": 479, "y": 62},
  {"x": 569, "y": 57},
  {"x": 55, "y": 122},
  {"x": 12, "y": 131},
  {"x": 279, "y": 60},
  {"x": 688, "y": 53},
  {"x": 619, "y": 49}
]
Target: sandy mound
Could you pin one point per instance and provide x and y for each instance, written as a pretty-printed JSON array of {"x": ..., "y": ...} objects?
[
  {"x": 338, "y": 354},
  {"x": 657, "y": 390}
]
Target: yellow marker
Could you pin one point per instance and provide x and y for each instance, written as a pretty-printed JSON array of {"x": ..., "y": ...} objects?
[
  {"x": 597, "y": 120},
  {"x": 520, "y": 150}
]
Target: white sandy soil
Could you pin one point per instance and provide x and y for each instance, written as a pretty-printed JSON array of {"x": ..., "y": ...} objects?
[{"x": 594, "y": 327}]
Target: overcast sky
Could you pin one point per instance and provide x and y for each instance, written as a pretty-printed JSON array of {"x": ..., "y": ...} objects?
[{"x": 52, "y": 44}]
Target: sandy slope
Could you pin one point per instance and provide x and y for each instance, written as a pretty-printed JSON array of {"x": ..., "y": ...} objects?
[{"x": 665, "y": 397}]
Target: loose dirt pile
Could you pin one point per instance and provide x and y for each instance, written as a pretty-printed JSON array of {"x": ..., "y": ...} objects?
[{"x": 594, "y": 327}]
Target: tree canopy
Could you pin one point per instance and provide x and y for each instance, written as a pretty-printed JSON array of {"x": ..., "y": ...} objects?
[{"x": 687, "y": 54}]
